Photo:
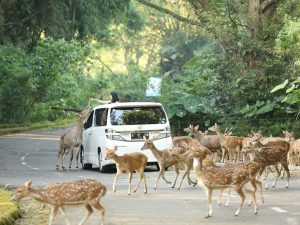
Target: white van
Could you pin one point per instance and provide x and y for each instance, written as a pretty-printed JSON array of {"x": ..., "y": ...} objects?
[{"x": 125, "y": 125}]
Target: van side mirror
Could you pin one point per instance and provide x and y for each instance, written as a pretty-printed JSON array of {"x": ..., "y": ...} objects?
[{"x": 85, "y": 126}]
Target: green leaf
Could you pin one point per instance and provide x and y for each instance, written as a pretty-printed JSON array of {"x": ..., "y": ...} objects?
[
  {"x": 280, "y": 86},
  {"x": 180, "y": 113},
  {"x": 191, "y": 104}
]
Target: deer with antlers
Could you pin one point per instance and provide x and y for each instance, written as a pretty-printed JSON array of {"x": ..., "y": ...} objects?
[
  {"x": 71, "y": 141},
  {"x": 86, "y": 192},
  {"x": 230, "y": 144}
]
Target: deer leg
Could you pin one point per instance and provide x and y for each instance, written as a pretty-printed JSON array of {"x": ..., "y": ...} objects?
[
  {"x": 228, "y": 197},
  {"x": 101, "y": 209},
  {"x": 53, "y": 213},
  {"x": 177, "y": 174},
  {"x": 241, "y": 193},
  {"x": 223, "y": 154},
  {"x": 71, "y": 158},
  {"x": 162, "y": 174},
  {"x": 183, "y": 176},
  {"x": 145, "y": 183},
  {"x": 252, "y": 193},
  {"x": 77, "y": 156},
  {"x": 89, "y": 212},
  {"x": 286, "y": 168},
  {"x": 66, "y": 151},
  {"x": 64, "y": 215},
  {"x": 129, "y": 182},
  {"x": 276, "y": 178},
  {"x": 210, "y": 210},
  {"x": 194, "y": 183},
  {"x": 119, "y": 172}
]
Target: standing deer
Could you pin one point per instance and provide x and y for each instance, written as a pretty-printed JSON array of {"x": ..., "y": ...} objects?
[
  {"x": 72, "y": 140},
  {"x": 230, "y": 144},
  {"x": 164, "y": 160},
  {"x": 130, "y": 163},
  {"x": 86, "y": 192},
  {"x": 212, "y": 142},
  {"x": 221, "y": 178}
]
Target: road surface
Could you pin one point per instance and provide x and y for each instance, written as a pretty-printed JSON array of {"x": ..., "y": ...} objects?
[{"x": 32, "y": 156}]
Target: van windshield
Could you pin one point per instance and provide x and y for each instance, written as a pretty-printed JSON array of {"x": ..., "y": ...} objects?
[{"x": 137, "y": 115}]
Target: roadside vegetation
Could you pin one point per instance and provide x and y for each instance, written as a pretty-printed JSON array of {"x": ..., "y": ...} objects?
[{"x": 228, "y": 62}]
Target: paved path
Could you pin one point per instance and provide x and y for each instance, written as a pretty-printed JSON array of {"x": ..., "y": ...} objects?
[{"x": 33, "y": 157}]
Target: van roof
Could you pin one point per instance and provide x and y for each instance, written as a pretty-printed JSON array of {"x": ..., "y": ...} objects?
[{"x": 121, "y": 104}]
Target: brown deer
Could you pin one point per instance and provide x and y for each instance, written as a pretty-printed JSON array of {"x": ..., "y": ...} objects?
[
  {"x": 271, "y": 153},
  {"x": 72, "y": 140},
  {"x": 187, "y": 159},
  {"x": 164, "y": 160},
  {"x": 86, "y": 192},
  {"x": 185, "y": 142},
  {"x": 212, "y": 142},
  {"x": 130, "y": 163},
  {"x": 294, "y": 152},
  {"x": 230, "y": 144},
  {"x": 210, "y": 178}
]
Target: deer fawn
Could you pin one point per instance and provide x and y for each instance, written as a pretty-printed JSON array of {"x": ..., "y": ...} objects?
[
  {"x": 130, "y": 162},
  {"x": 86, "y": 192}
]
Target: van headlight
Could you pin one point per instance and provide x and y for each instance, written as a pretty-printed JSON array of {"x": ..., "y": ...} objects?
[{"x": 112, "y": 135}]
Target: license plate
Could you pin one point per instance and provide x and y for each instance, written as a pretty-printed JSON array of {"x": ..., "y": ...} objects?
[{"x": 135, "y": 136}]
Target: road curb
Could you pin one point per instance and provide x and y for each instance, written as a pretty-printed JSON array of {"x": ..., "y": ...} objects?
[{"x": 9, "y": 211}]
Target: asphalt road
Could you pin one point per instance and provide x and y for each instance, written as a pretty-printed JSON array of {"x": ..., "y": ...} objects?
[{"x": 32, "y": 156}]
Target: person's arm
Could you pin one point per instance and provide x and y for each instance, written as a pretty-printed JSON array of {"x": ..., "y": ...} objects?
[{"x": 99, "y": 101}]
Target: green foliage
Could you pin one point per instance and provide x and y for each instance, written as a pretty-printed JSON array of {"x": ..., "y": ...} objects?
[{"x": 49, "y": 74}]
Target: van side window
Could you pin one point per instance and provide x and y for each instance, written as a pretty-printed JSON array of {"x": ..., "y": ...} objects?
[
  {"x": 101, "y": 117},
  {"x": 89, "y": 121}
]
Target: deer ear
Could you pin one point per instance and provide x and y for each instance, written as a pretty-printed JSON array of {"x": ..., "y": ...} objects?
[
  {"x": 28, "y": 183},
  {"x": 197, "y": 127},
  {"x": 115, "y": 148}
]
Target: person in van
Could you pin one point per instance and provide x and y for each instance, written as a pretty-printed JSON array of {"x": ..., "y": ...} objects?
[{"x": 113, "y": 99}]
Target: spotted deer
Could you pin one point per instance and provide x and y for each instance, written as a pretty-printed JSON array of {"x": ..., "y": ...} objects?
[
  {"x": 130, "y": 163},
  {"x": 164, "y": 160},
  {"x": 271, "y": 153},
  {"x": 210, "y": 179},
  {"x": 71, "y": 141},
  {"x": 86, "y": 192}
]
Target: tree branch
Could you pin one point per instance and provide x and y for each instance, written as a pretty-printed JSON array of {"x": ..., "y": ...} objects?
[{"x": 169, "y": 12}]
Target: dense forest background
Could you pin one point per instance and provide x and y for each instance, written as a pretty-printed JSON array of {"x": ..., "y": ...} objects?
[{"x": 233, "y": 62}]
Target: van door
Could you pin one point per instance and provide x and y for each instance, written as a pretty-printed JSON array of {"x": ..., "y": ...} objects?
[
  {"x": 97, "y": 135},
  {"x": 86, "y": 136}
]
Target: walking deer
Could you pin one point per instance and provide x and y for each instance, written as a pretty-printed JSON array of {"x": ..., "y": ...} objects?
[
  {"x": 130, "y": 163},
  {"x": 187, "y": 159},
  {"x": 164, "y": 160},
  {"x": 72, "y": 140},
  {"x": 221, "y": 178},
  {"x": 86, "y": 192}
]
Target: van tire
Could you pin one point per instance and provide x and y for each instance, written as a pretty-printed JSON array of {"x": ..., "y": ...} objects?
[{"x": 85, "y": 166}]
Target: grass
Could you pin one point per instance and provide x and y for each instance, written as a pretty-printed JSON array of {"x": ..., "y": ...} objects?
[
  {"x": 16, "y": 128},
  {"x": 9, "y": 211}
]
